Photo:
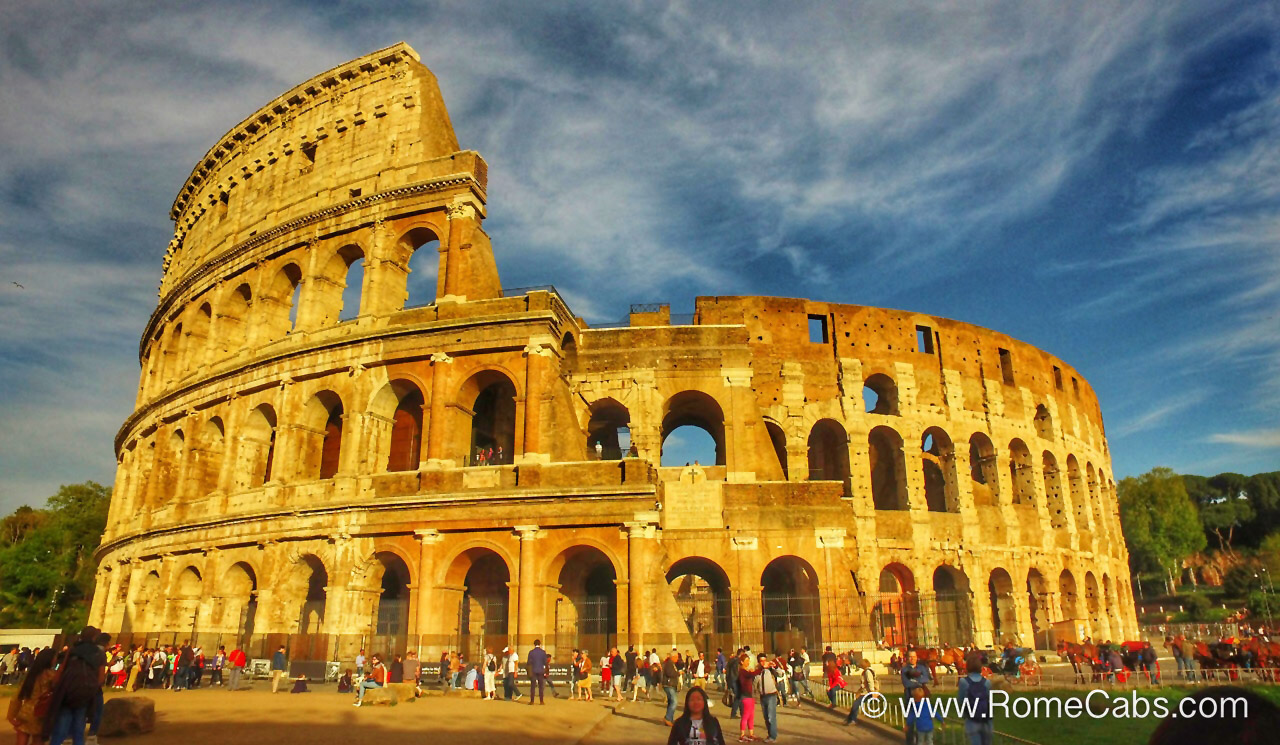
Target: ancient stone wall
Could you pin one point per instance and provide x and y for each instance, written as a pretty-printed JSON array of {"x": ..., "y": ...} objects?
[{"x": 304, "y": 459}]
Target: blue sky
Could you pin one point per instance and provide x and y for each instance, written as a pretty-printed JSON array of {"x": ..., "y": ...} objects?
[{"x": 1098, "y": 179}]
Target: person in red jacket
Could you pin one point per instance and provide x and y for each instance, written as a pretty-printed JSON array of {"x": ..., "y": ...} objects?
[{"x": 237, "y": 661}]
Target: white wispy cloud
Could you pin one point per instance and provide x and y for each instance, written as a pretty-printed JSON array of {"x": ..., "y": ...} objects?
[{"x": 1258, "y": 438}]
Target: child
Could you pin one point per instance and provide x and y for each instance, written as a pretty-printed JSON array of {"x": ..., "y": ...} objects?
[{"x": 919, "y": 719}]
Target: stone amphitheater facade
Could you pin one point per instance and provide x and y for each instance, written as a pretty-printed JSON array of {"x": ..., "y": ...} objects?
[{"x": 301, "y": 463}]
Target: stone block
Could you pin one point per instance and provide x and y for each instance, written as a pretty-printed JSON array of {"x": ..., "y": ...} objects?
[{"x": 130, "y": 715}]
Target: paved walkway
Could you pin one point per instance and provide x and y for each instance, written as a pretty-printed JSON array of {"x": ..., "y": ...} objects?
[{"x": 216, "y": 717}]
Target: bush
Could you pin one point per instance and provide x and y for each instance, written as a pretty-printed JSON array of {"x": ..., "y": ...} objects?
[
  {"x": 1196, "y": 607},
  {"x": 1260, "y": 602},
  {"x": 1239, "y": 581}
]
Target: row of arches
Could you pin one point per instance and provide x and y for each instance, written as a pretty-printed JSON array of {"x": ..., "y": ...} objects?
[
  {"x": 301, "y": 290},
  {"x": 320, "y": 444}
]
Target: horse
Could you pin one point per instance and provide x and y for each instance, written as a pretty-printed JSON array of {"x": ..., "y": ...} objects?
[{"x": 1077, "y": 655}]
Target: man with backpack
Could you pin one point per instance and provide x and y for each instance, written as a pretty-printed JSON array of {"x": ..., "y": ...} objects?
[
  {"x": 82, "y": 672},
  {"x": 973, "y": 695}
]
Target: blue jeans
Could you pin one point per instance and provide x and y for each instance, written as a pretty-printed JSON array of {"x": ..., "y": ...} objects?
[
  {"x": 735, "y": 710},
  {"x": 853, "y": 712},
  {"x": 365, "y": 685},
  {"x": 69, "y": 723},
  {"x": 979, "y": 732},
  {"x": 802, "y": 683},
  {"x": 671, "y": 702},
  {"x": 95, "y": 714},
  {"x": 769, "y": 704}
]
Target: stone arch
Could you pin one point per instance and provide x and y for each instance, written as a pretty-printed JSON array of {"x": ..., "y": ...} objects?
[
  {"x": 320, "y": 436},
  {"x": 953, "y": 606},
  {"x": 488, "y": 399},
  {"x": 303, "y": 595},
  {"x": 1021, "y": 473},
  {"x": 1079, "y": 497},
  {"x": 420, "y": 249},
  {"x": 198, "y": 337},
  {"x": 280, "y": 301},
  {"x": 171, "y": 481},
  {"x": 1068, "y": 595},
  {"x": 484, "y": 574},
  {"x": 391, "y": 612},
  {"x": 234, "y": 319},
  {"x": 1111, "y": 606},
  {"x": 1043, "y": 422},
  {"x": 586, "y": 603},
  {"x": 880, "y": 395},
  {"x": 778, "y": 439},
  {"x": 258, "y": 447},
  {"x": 829, "y": 453},
  {"x": 791, "y": 611},
  {"x": 895, "y": 616},
  {"x": 694, "y": 409},
  {"x": 208, "y": 454},
  {"x": 1004, "y": 608},
  {"x": 148, "y": 604},
  {"x": 569, "y": 350},
  {"x": 397, "y": 425},
  {"x": 1092, "y": 606},
  {"x": 173, "y": 354},
  {"x": 1095, "y": 499},
  {"x": 984, "y": 476},
  {"x": 888, "y": 469},
  {"x": 1038, "y": 607},
  {"x": 702, "y": 592},
  {"x": 239, "y": 589},
  {"x": 185, "y": 595},
  {"x": 339, "y": 286},
  {"x": 1053, "y": 492},
  {"x": 608, "y": 430},
  {"x": 938, "y": 459}
]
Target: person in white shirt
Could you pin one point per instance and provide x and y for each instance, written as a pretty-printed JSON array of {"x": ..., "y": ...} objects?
[{"x": 510, "y": 667}]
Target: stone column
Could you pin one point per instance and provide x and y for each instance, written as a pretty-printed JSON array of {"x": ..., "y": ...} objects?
[
  {"x": 422, "y": 595},
  {"x": 526, "y": 630},
  {"x": 462, "y": 219},
  {"x": 537, "y": 356},
  {"x": 436, "y": 418},
  {"x": 638, "y": 620}
]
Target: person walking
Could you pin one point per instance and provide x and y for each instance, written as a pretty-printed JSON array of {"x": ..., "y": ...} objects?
[
  {"x": 36, "y": 687},
  {"x": 617, "y": 671},
  {"x": 670, "y": 679},
  {"x": 630, "y": 670},
  {"x": 490, "y": 668},
  {"x": 376, "y": 678},
  {"x": 537, "y": 666},
  {"x": 182, "y": 670},
  {"x": 698, "y": 669},
  {"x": 510, "y": 668},
  {"x": 973, "y": 695},
  {"x": 278, "y": 666},
  {"x": 768, "y": 686},
  {"x": 915, "y": 673},
  {"x": 731, "y": 676},
  {"x": 696, "y": 726},
  {"x": 720, "y": 663},
  {"x": 237, "y": 660},
  {"x": 867, "y": 685},
  {"x": 747, "y": 695}
]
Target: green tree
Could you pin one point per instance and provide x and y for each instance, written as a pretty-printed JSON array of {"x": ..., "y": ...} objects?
[
  {"x": 1160, "y": 523},
  {"x": 1223, "y": 504},
  {"x": 47, "y": 574}
]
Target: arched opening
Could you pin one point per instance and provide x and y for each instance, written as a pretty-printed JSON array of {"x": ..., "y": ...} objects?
[
  {"x": 953, "y": 607},
  {"x": 938, "y": 460},
  {"x": 148, "y": 604},
  {"x": 608, "y": 431},
  {"x": 305, "y": 593},
  {"x": 790, "y": 604},
  {"x": 1093, "y": 606},
  {"x": 280, "y": 302},
  {"x": 586, "y": 609},
  {"x": 1038, "y": 605},
  {"x": 240, "y": 611},
  {"x": 170, "y": 491},
  {"x": 895, "y": 617},
  {"x": 259, "y": 443},
  {"x": 888, "y": 471},
  {"x": 983, "y": 471},
  {"x": 422, "y": 283},
  {"x": 493, "y": 421},
  {"x": 1111, "y": 607},
  {"x": 233, "y": 321},
  {"x": 391, "y": 622},
  {"x": 829, "y": 453},
  {"x": 185, "y": 605},
  {"x": 701, "y": 590},
  {"x": 1021, "y": 474},
  {"x": 1043, "y": 422},
  {"x": 347, "y": 267},
  {"x": 404, "y": 403},
  {"x": 779, "y": 441},
  {"x": 173, "y": 354},
  {"x": 880, "y": 395},
  {"x": 1053, "y": 491},
  {"x": 1004, "y": 613},
  {"x": 1079, "y": 499},
  {"x": 321, "y": 437},
  {"x": 569, "y": 350},
  {"x": 482, "y": 607},
  {"x": 1068, "y": 596},
  {"x": 198, "y": 337},
  {"x": 699, "y": 411}
]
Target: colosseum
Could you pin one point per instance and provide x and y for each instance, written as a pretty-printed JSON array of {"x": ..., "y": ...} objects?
[{"x": 348, "y": 434}]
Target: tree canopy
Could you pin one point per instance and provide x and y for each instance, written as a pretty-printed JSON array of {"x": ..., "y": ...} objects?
[
  {"x": 46, "y": 558},
  {"x": 1160, "y": 522}
]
